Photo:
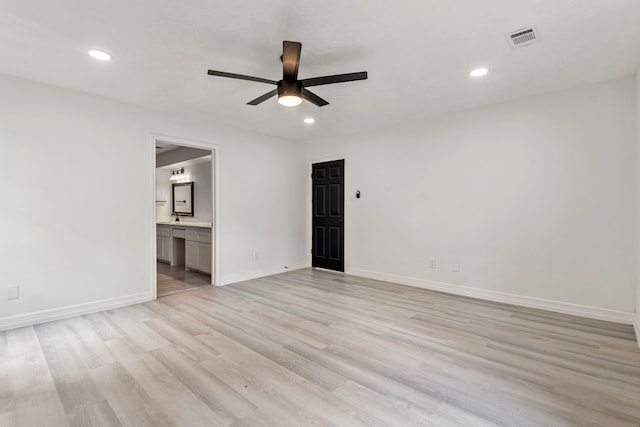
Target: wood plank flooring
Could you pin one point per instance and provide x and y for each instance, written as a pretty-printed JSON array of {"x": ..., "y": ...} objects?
[
  {"x": 171, "y": 280},
  {"x": 311, "y": 348}
]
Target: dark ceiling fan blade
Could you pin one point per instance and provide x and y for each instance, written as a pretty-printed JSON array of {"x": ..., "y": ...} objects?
[
  {"x": 290, "y": 60},
  {"x": 240, "y": 76},
  {"x": 261, "y": 99},
  {"x": 338, "y": 78},
  {"x": 313, "y": 98}
]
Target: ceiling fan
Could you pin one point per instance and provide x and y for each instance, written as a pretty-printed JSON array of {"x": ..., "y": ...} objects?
[{"x": 290, "y": 90}]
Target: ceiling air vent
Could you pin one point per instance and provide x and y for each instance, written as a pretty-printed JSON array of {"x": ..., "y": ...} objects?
[{"x": 523, "y": 37}]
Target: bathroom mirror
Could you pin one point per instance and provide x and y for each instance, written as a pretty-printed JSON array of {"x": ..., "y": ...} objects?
[{"x": 182, "y": 198}]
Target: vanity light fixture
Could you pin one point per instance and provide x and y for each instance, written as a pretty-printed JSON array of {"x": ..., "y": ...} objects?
[{"x": 178, "y": 175}]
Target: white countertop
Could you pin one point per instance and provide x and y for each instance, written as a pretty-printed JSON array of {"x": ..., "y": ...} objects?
[{"x": 185, "y": 224}]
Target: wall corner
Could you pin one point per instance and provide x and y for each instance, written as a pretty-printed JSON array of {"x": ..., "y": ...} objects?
[{"x": 636, "y": 323}]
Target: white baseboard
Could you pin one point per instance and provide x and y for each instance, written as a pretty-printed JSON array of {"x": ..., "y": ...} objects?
[
  {"x": 256, "y": 274},
  {"x": 496, "y": 296},
  {"x": 28, "y": 319}
]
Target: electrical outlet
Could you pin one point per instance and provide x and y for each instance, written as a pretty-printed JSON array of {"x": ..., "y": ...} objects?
[
  {"x": 13, "y": 292},
  {"x": 456, "y": 267},
  {"x": 432, "y": 263}
]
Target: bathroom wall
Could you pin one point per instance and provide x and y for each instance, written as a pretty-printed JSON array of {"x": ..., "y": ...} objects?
[
  {"x": 200, "y": 175},
  {"x": 637, "y": 289},
  {"x": 163, "y": 194}
]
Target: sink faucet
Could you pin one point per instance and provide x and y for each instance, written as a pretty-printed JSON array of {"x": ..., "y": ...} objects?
[{"x": 177, "y": 217}]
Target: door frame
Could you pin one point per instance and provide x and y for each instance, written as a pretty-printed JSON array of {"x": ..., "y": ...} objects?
[
  {"x": 347, "y": 198},
  {"x": 215, "y": 187}
]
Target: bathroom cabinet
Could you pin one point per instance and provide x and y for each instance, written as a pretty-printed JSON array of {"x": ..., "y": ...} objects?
[
  {"x": 183, "y": 244},
  {"x": 198, "y": 250},
  {"x": 164, "y": 243}
]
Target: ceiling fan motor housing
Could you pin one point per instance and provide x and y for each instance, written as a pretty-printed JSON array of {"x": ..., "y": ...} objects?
[{"x": 289, "y": 88}]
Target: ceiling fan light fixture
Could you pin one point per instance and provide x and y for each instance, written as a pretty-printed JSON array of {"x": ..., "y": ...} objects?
[
  {"x": 289, "y": 93},
  {"x": 290, "y": 90},
  {"x": 289, "y": 100}
]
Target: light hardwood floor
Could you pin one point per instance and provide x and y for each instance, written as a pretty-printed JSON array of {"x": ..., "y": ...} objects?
[
  {"x": 310, "y": 348},
  {"x": 171, "y": 280}
]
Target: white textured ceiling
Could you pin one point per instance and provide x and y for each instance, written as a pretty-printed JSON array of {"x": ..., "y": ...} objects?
[{"x": 418, "y": 54}]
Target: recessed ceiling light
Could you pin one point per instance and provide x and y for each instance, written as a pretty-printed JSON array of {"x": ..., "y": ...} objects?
[
  {"x": 309, "y": 120},
  {"x": 100, "y": 54},
  {"x": 479, "y": 72}
]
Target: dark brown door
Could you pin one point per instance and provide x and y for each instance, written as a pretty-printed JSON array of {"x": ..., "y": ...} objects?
[{"x": 328, "y": 215}]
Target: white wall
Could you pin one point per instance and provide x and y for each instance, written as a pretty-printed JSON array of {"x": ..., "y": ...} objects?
[
  {"x": 637, "y": 299},
  {"x": 535, "y": 199},
  {"x": 163, "y": 194},
  {"x": 200, "y": 175},
  {"x": 65, "y": 158}
]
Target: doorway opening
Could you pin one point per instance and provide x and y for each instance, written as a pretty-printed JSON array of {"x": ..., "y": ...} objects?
[{"x": 184, "y": 215}]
